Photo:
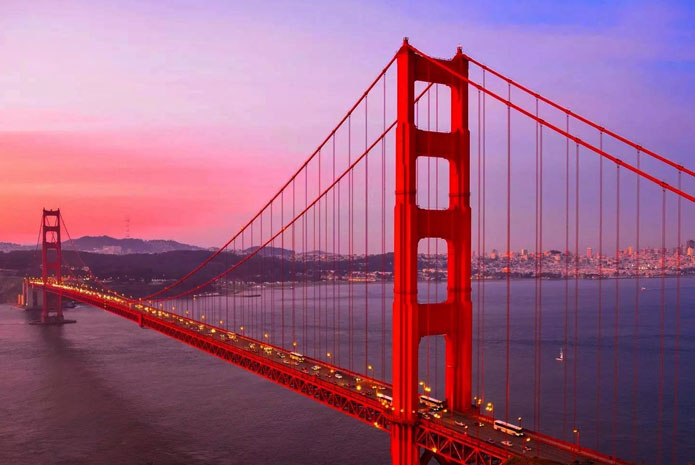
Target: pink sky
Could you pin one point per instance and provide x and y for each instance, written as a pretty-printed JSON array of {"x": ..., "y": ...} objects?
[{"x": 163, "y": 111}]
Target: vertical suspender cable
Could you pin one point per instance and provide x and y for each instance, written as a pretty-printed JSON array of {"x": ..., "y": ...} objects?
[
  {"x": 617, "y": 307},
  {"x": 479, "y": 273},
  {"x": 509, "y": 251},
  {"x": 635, "y": 354},
  {"x": 317, "y": 264},
  {"x": 600, "y": 297},
  {"x": 226, "y": 290},
  {"x": 366, "y": 241},
  {"x": 305, "y": 244},
  {"x": 336, "y": 328},
  {"x": 383, "y": 242},
  {"x": 537, "y": 278},
  {"x": 661, "y": 328},
  {"x": 575, "y": 361},
  {"x": 337, "y": 349},
  {"x": 282, "y": 268},
  {"x": 482, "y": 310},
  {"x": 429, "y": 239},
  {"x": 677, "y": 328},
  {"x": 324, "y": 275},
  {"x": 350, "y": 246},
  {"x": 294, "y": 267},
  {"x": 567, "y": 264},
  {"x": 272, "y": 340},
  {"x": 540, "y": 272},
  {"x": 436, "y": 242}
]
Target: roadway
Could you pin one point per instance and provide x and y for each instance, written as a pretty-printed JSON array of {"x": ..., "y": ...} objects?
[{"x": 473, "y": 426}]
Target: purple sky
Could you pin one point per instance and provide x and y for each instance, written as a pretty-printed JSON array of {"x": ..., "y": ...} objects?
[{"x": 149, "y": 110}]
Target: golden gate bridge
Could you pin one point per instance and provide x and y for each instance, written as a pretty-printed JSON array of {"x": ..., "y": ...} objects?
[{"x": 302, "y": 293}]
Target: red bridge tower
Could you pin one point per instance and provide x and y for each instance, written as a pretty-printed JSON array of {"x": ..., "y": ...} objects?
[
  {"x": 453, "y": 318},
  {"x": 51, "y": 262}
]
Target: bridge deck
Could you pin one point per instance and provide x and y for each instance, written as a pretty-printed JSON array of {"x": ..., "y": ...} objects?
[{"x": 458, "y": 437}]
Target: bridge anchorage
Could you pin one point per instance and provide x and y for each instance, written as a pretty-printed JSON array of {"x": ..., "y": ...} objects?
[{"x": 284, "y": 305}]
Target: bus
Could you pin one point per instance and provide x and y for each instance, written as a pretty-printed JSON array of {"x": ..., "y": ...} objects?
[
  {"x": 508, "y": 428},
  {"x": 433, "y": 403},
  {"x": 383, "y": 397},
  {"x": 297, "y": 357}
]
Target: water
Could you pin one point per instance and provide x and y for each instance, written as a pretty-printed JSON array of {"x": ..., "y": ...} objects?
[{"x": 105, "y": 391}]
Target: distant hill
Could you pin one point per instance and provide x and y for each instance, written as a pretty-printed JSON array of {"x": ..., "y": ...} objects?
[
  {"x": 113, "y": 246},
  {"x": 110, "y": 245}
]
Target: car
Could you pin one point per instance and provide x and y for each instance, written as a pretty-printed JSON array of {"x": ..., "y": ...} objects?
[
  {"x": 527, "y": 448},
  {"x": 316, "y": 368},
  {"x": 490, "y": 440},
  {"x": 338, "y": 375},
  {"x": 459, "y": 423},
  {"x": 507, "y": 443},
  {"x": 480, "y": 423}
]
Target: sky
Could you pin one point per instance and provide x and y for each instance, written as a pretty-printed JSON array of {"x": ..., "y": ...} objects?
[{"x": 160, "y": 112}]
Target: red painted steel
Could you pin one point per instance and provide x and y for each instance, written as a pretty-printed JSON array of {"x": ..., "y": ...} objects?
[
  {"x": 51, "y": 261},
  {"x": 453, "y": 317},
  {"x": 447, "y": 444}
]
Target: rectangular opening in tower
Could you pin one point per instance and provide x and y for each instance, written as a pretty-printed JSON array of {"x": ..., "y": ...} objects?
[
  {"x": 432, "y": 174},
  {"x": 433, "y": 109},
  {"x": 431, "y": 270}
]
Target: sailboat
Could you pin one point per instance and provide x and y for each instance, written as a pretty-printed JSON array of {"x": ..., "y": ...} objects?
[{"x": 561, "y": 357}]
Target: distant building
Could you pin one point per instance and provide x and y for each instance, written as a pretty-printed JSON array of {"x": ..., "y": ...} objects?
[
  {"x": 588, "y": 252},
  {"x": 630, "y": 251},
  {"x": 494, "y": 255},
  {"x": 524, "y": 253},
  {"x": 691, "y": 244}
]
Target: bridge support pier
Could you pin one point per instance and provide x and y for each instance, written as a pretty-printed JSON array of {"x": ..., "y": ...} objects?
[
  {"x": 452, "y": 318},
  {"x": 404, "y": 450}
]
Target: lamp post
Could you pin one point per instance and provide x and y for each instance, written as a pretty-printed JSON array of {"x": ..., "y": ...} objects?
[
  {"x": 490, "y": 408},
  {"x": 576, "y": 431}
]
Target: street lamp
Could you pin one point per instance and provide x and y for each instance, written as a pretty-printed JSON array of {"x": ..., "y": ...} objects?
[
  {"x": 519, "y": 421},
  {"x": 576, "y": 431},
  {"x": 370, "y": 368},
  {"x": 490, "y": 408}
]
